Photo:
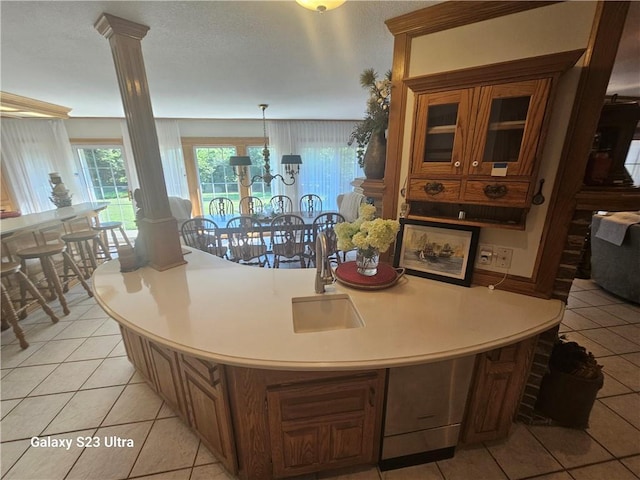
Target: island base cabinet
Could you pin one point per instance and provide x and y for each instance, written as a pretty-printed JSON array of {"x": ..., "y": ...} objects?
[
  {"x": 293, "y": 423},
  {"x": 195, "y": 389},
  {"x": 208, "y": 407},
  {"x": 496, "y": 390},
  {"x": 322, "y": 426}
]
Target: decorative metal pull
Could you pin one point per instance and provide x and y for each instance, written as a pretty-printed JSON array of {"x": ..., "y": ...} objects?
[
  {"x": 495, "y": 191},
  {"x": 433, "y": 188},
  {"x": 457, "y": 164},
  {"x": 372, "y": 396},
  {"x": 475, "y": 163}
]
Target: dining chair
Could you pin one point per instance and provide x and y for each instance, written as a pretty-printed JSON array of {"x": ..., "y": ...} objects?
[
  {"x": 203, "y": 234},
  {"x": 251, "y": 205},
  {"x": 310, "y": 204},
  {"x": 288, "y": 240},
  {"x": 246, "y": 241},
  {"x": 221, "y": 206},
  {"x": 281, "y": 204},
  {"x": 325, "y": 222}
]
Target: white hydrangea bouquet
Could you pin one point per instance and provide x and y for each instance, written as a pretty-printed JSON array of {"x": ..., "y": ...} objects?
[{"x": 368, "y": 235}]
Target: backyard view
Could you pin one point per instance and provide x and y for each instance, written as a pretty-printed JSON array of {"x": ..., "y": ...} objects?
[
  {"x": 103, "y": 167},
  {"x": 217, "y": 179}
]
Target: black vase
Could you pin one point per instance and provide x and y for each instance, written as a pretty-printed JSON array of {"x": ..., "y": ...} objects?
[{"x": 376, "y": 156}]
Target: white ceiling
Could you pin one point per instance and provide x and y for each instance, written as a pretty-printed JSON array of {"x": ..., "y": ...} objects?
[
  {"x": 204, "y": 59},
  {"x": 220, "y": 59}
]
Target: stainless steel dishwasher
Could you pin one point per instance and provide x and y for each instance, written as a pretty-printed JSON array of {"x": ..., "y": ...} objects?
[{"x": 425, "y": 405}]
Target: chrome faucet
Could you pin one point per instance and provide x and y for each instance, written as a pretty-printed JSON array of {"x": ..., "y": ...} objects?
[{"x": 323, "y": 268}]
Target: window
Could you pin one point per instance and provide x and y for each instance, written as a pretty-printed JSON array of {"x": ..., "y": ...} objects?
[
  {"x": 215, "y": 176},
  {"x": 103, "y": 168},
  {"x": 632, "y": 163}
]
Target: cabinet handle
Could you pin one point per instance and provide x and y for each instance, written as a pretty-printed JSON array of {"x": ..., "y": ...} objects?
[
  {"x": 475, "y": 163},
  {"x": 495, "y": 191},
  {"x": 372, "y": 396},
  {"x": 457, "y": 164},
  {"x": 433, "y": 188}
]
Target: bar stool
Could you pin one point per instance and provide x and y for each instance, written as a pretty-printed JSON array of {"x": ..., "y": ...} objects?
[
  {"x": 45, "y": 254},
  {"x": 111, "y": 227},
  {"x": 79, "y": 243},
  {"x": 8, "y": 309}
]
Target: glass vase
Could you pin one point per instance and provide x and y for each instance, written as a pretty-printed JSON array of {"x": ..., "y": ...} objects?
[{"x": 367, "y": 261}]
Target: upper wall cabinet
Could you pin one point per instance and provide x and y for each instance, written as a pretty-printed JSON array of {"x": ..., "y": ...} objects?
[{"x": 477, "y": 139}]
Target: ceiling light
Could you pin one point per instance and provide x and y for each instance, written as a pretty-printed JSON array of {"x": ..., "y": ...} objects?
[
  {"x": 320, "y": 5},
  {"x": 240, "y": 162}
]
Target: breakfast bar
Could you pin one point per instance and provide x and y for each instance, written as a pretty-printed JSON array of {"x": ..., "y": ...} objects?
[
  {"x": 223, "y": 344},
  {"x": 55, "y": 216}
]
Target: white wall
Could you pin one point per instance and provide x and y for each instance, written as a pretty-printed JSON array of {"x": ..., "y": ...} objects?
[
  {"x": 555, "y": 28},
  {"x": 111, "y": 128}
]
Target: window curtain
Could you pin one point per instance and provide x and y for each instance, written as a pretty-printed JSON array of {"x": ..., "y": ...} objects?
[
  {"x": 31, "y": 149},
  {"x": 329, "y": 165},
  {"x": 175, "y": 174}
]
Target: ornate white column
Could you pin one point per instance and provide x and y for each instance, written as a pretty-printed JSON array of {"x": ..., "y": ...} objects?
[{"x": 158, "y": 228}]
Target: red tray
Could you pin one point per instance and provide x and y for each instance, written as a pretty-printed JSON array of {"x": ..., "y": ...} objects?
[{"x": 346, "y": 273}]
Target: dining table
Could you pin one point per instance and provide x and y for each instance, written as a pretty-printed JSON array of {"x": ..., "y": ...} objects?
[{"x": 265, "y": 219}]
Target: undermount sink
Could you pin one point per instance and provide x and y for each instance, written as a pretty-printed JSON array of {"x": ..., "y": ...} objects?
[{"x": 326, "y": 312}]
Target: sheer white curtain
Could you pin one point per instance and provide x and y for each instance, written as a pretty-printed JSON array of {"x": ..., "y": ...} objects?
[
  {"x": 31, "y": 149},
  {"x": 175, "y": 174},
  {"x": 328, "y": 163}
]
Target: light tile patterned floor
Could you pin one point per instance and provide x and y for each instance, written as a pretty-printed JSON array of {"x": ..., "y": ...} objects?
[{"x": 75, "y": 381}]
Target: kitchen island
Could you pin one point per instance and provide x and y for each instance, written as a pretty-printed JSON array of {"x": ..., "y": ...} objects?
[{"x": 217, "y": 341}]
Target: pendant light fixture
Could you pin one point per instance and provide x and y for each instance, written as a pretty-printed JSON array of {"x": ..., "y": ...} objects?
[
  {"x": 291, "y": 162},
  {"x": 320, "y": 6}
]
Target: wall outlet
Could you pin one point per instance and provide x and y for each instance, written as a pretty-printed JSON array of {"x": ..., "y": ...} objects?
[
  {"x": 485, "y": 255},
  {"x": 503, "y": 257}
]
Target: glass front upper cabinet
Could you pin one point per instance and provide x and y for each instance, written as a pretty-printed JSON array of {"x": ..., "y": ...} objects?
[
  {"x": 441, "y": 130},
  {"x": 507, "y": 128}
]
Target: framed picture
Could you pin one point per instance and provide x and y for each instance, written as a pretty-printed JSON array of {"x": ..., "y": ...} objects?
[{"x": 439, "y": 251}]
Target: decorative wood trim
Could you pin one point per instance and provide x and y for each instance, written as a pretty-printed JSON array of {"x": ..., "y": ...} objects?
[
  {"x": 613, "y": 199},
  {"x": 17, "y": 106},
  {"x": 446, "y": 15},
  {"x": 504, "y": 72},
  {"x": 594, "y": 78},
  {"x": 96, "y": 141},
  {"x": 401, "y": 55},
  {"x": 222, "y": 142}
]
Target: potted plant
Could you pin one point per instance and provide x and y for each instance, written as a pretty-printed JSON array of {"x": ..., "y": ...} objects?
[
  {"x": 569, "y": 389},
  {"x": 370, "y": 132}
]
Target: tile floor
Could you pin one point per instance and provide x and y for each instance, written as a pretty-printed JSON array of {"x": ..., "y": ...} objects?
[{"x": 75, "y": 381}]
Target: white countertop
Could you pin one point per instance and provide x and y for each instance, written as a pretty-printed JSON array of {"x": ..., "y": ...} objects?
[
  {"x": 36, "y": 220},
  {"x": 241, "y": 315}
]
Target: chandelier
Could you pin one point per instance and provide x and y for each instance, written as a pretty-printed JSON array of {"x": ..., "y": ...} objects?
[
  {"x": 320, "y": 5},
  {"x": 240, "y": 162}
]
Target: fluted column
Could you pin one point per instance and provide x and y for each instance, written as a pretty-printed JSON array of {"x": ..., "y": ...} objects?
[{"x": 158, "y": 228}]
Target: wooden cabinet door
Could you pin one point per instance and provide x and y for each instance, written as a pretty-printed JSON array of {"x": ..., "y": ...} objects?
[
  {"x": 208, "y": 407},
  {"x": 326, "y": 425},
  {"x": 441, "y": 132},
  {"x": 508, "y": 126},
  {"x": 496, "y": 390},
  {"x": 138, "y": 352},
  {"x": 167, "y": 377}
]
